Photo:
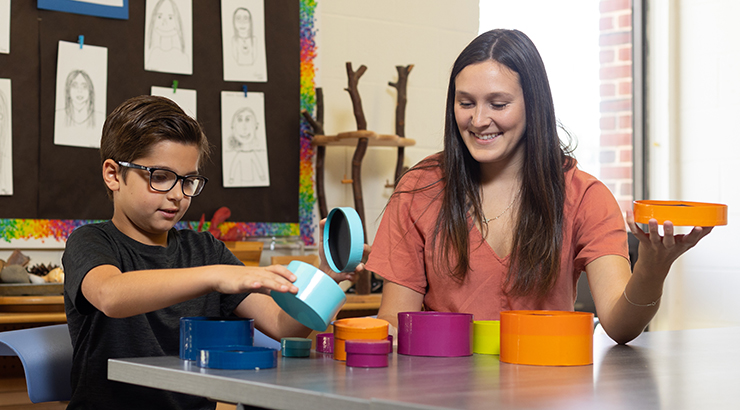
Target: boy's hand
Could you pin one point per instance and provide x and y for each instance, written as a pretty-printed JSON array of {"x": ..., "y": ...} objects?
[
  {"x": 324, "y": 265},
  {"x": 239, "y": 279}
]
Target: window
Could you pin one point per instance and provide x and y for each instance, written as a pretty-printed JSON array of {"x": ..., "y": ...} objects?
[{"x": 586, "y": 46}]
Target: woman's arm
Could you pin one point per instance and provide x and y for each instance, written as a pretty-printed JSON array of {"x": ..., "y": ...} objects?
[
  {"x": 627, "y": 301},
  {"x": 398, "y": 298}
]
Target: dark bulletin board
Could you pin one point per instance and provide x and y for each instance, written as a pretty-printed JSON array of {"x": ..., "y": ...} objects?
[{"x": 61, "y": 182}]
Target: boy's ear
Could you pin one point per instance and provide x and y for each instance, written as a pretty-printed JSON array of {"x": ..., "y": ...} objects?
[{"x": 111, "y": 177}]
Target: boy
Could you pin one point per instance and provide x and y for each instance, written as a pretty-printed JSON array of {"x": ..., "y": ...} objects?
[{"x": 130, "y": 279}]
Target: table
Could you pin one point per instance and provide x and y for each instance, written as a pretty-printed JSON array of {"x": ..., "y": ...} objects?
[{"x": 687, "y": 369}]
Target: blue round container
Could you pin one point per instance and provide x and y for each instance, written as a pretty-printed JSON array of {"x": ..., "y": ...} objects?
[
  {"x": 318, "y": 300},
  {"x": 344, "y": 239},
  {"x": 238, "y": 357},
  {"x": 197, "y": 333}
]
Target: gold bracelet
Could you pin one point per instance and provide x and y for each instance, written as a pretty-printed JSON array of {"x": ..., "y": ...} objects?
[{"x": 651, "y": 304}]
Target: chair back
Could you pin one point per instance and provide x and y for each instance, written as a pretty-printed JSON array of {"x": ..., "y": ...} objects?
[
  {"x": 249, "y": 252},
  {"x": 46, "y": 355},
  {"x": 311, "y": 259}
]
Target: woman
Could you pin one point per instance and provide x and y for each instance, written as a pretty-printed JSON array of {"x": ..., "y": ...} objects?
[{"x": 502, "y": 219}]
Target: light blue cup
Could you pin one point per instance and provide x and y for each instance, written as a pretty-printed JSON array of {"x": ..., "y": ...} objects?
[
  {"x": 318, "y": 300},
  {"x": 344, "y": 239}
]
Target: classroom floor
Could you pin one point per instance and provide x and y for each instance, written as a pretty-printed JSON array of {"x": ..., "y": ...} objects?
[{"x": 13, "y": 396}]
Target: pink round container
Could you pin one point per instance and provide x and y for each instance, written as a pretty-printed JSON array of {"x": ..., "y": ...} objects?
[
  {"x": 441, "y": 334},
  {"x": 325, "y": 343},
  {"x": 367, "y": 352}
]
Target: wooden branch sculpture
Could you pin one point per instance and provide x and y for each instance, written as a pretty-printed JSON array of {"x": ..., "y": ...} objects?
[
  {"x": 363, "y": 283},
  {"x": 354, "y": 93},
  {"x": 400, "y": 85},
  {"x": 318, "y": 129}
]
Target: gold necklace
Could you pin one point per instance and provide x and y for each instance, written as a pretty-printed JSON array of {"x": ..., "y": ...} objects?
[{"x": 507, "y": 208}]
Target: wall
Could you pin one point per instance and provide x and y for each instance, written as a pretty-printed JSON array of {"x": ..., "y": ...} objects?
[
  {"x": 381, "y": 35},
  {"x": 615, "y": 75},
  {"x": 695, "y": 150}
]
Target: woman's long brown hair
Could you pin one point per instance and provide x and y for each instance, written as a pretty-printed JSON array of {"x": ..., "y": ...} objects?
[{"x": 538, "y": 237}]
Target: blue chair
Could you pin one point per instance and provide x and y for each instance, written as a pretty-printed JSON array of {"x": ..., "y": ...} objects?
[
  {"x": 262, "y": 340},
  {"x": 46, "y": 354}
]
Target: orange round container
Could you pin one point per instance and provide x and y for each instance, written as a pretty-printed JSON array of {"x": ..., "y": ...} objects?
[
  {"x": 357, "y": 328},
  {"x": 547, "y": 337},
  {"x": 681, "y": 213}
]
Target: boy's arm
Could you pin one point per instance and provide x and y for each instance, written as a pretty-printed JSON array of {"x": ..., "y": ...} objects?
[
  {"x": 121, "y": 295},
  {"x": 269, "y": 318}
]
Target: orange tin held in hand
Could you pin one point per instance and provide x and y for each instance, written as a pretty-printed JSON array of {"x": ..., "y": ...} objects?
[{"x": 681, "y": 213}]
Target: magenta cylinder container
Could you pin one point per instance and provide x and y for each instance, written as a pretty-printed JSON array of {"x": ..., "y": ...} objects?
[
  {"x": 441, "y": 334},
  {"x": 325, "y": 343},
  {"x": 367, "y": 352}
]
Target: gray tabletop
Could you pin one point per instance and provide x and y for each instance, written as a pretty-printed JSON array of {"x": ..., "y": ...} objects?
[{"x": 687, "y": 369}]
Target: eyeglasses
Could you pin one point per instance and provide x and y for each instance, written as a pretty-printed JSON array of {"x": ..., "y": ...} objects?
[{"x": 163, "y": 180}]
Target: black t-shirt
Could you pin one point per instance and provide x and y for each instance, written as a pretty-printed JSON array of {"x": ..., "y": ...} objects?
[{"x": 96, "y": 337}]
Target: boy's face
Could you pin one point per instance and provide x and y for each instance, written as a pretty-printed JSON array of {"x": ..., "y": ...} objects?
[{"x": 147, "y": 215}]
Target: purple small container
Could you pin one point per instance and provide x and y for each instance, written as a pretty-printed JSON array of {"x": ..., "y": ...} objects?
[
  {"x": 390, "y": 345},
  {"x": 367, "y": 352},
  {"x": 440, "y": 334},
  {"x": 325, "y": 343}
]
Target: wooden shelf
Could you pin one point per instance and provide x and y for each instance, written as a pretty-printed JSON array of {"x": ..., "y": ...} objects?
[
  {"x": 362, "y": 302},
  {"x": 31, "y": 300},
  {"x": 349, "y": 139},
  {"x": 35, "y": 317}
]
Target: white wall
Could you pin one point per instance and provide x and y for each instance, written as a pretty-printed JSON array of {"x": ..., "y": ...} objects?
[
  {"x": 382, "y": 34},
  {"x": 694, "y": 65}
]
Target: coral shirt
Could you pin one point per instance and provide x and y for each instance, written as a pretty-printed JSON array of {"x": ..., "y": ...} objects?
[{"x": 593, "y": 226}]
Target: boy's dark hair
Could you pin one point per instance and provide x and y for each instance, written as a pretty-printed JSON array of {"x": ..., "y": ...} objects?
[{"x": 140, "y": 122}]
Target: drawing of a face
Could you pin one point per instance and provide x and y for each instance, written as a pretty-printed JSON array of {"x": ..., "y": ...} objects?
[
  {"x": 165, "y": 27},
  {"x": 243, "y": 23},
  {"x": 79, "y": 98},
  {"x": 3, "y": 115},
  {"x": 79, "y": 91},
  {"x": 164, "y": 21},
  {"x": 244, "y": 124}
]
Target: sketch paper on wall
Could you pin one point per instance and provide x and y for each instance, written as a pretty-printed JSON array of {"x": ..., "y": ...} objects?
[
  {"x": 243, "y": 37},
  {"x": 244, "y": 140},
  {"x": 168, "y": 40},
  {"x": 82, "y": 81},
  {"x": 186, "y": 99},
  {"x": 6, "y": 139},
  {"x": 5, "y": 26}
]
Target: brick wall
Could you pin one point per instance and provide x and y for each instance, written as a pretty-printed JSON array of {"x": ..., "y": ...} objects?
[{"x": 615, "y": 76}]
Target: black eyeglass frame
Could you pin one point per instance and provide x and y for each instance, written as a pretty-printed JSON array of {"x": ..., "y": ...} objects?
[{"x": 177, "y": 177}]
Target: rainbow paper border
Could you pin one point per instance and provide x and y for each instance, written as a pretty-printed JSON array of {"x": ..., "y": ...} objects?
[
  {"x": 59, "y": 229},
  {"x": 307, "y": 199}
]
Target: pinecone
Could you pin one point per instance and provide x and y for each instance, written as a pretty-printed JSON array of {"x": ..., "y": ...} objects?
[{"x": 41, "y": 269}]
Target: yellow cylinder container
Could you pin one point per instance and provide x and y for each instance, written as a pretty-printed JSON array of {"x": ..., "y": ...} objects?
[
  {"x": 486, "y": 336},
  {"x": 357, "y": 328}
]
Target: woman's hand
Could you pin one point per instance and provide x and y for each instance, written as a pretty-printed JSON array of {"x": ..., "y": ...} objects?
[
  {"x": 324, "y": 265},
  {"x": 657, "y": 253}
]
